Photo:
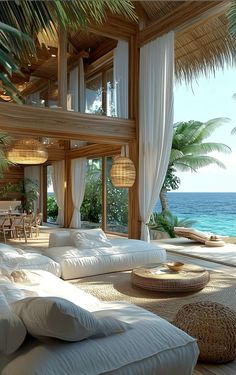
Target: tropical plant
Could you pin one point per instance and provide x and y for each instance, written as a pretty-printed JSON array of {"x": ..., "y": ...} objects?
[
  {"x": 4, "y": 163},
  {"x": 189, "y": 152},
  {"x": 52, "y": 208},
  {"x": 26, "y": 189},
  {"x": 165, "y": 222},
  {"x": 22, "y": 20}
]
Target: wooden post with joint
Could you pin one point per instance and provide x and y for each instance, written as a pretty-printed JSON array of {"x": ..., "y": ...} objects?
[
  {"x": 133, "y": 220},
  {"x": 62, "y": 102}
]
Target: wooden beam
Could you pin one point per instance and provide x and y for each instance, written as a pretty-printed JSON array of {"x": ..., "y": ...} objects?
[
  {"x": 93, "y": 151},
  {"x": 66, "y": 125},
  {"x": 134, "y": 223},
  {"x": 41, "y": 84},
  {"x": 103, "y": 48},
  {"x": 182, "y": 14},
  {"x": 104, "y": 62},
  {"x": 62, "y": 68},
  {"x": 114, "y": 27}
]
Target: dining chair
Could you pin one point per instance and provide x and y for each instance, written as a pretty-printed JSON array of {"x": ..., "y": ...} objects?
[
  {"x": 24, "y": 229},
  {"x": 7, "y": 226},
  {"x": 37, "y": 221}
]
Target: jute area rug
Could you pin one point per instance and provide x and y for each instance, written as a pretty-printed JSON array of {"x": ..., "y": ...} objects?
[{"x": 117, "y": 287}]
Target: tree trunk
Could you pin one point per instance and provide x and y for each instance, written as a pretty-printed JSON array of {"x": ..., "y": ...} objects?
[{"x": 163, "y": 200}]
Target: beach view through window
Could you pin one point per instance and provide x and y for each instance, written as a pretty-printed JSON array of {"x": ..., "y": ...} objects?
[{"x": 208, "y": 196}]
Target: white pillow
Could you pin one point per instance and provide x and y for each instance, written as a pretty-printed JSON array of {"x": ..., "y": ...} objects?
[
  {"x": 10, "y": 249},
  {"x": 12, "y": 330},
  {"x": 90, "y": 239},
  {"x": 192, "y": 234},
  {"x": 59, "y": 318}
]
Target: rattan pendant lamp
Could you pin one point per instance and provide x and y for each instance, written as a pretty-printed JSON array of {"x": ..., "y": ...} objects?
[
  {"x": 123, "y": 171},
  {"x": 27, "y": 151}
]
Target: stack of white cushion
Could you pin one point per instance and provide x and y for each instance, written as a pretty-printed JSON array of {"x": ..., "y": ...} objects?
[
  {"x": 15, "y": 258},
  {"x": 89, "y": 252}
]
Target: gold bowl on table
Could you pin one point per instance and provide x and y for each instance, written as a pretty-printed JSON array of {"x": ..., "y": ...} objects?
[{"x": 174, "y": 266}]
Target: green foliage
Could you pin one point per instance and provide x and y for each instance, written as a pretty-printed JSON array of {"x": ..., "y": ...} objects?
[
  {"x": 4, "y": 163},
  {"x": 27, "y": 189},
  {"x": 52, "y": 208},
  {"x": 165, "y": 222},
  {"x": 117, "y": 206},
  {"x": 116, "y": 199},
  {"x": 91, "y": 208}
]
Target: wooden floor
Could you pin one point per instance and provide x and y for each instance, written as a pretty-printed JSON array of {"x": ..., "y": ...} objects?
[{"x": 206, "y": 369}]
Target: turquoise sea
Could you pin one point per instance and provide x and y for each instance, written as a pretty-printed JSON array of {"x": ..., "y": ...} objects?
[{"x": 213, "y": 212}]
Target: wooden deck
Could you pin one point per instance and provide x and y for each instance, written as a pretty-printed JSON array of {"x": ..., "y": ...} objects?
[{"x": 206, "y": 369}]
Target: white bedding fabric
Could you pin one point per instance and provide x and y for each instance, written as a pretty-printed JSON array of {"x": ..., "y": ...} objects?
[
  {"x": 152, "y": 346},
  {"x": 15, "y": 258},
  {"x": 124, "y": 254}
]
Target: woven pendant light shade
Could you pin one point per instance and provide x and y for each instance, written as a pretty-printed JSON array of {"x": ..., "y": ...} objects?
[
  {"x": 27, "y": 151},
  {"x": 123, "y": 172}
]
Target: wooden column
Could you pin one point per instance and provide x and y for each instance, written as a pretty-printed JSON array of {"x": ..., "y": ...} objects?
[
  {"x": 62, "y": 102},
  {"x": 104, "y": 194},
  {"x": 134, "y": 222},
  {"x": 62, "y": 68},
  {"x": 43, "y": 191},
  {"x": 68, "y": 195}
]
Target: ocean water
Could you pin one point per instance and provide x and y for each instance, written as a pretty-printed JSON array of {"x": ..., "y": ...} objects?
[{"x": 213, "y": 212}]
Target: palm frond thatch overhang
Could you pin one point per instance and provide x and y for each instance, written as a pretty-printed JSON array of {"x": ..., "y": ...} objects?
[{"x": 204, "y": 49}]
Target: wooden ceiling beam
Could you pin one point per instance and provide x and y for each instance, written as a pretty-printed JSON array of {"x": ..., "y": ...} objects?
[
  {"x": 93, "y": 151},
  {"x": 182, "y": 14},
  {"x": 41, "y": 84},
  {"x": 66, "y": 125},
  {"x": 114, "y": 27},
  {"x": 105, "y": 47}
]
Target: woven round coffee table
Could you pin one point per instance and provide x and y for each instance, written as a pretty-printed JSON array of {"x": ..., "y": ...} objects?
[{"x": 160, "y": 278}]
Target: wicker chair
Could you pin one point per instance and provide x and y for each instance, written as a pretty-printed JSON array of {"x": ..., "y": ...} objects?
[
  {"x": 214, "y": 327},
  {"x": 36, "y": 223}
]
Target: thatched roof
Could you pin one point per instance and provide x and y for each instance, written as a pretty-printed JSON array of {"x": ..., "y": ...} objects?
[
  {"x": 204, "y": 45},
  {"x": 204, "y": 49},
  {"x": 201, "y": 46}
]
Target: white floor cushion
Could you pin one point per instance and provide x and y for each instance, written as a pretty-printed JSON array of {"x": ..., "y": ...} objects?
[
  {"x": 152, "y": 345},
  {"x": 124, "y": 254}
]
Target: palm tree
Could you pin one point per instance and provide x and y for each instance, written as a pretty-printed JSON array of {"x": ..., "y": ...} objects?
[
  {"x": 190, "y": 152},
  {"x": 21, "y": 21}
]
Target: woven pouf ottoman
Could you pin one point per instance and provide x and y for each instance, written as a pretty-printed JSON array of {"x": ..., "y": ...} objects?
[{"x": 214, "y": 327}]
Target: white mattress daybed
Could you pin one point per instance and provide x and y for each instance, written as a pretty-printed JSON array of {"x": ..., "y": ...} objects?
[
  {"x": 150, "y": 346},
  {"x": 81, "y": 261},
  {"x": 14, "y": 257}
]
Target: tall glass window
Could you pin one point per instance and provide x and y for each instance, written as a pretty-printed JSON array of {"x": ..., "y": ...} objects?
[
  {"x": 94, "y": 95},
  {"x": 116, "y": 204},
  {"x": 91, "y": 209}
]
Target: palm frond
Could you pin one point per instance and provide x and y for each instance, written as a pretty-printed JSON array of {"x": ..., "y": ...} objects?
[
  {"x": 197, "y": 162},
  {"x": 206, "y": 148},
  {"x": 231, "y": 15},
  {"x": 233, "y": 131},
  {"x": 210, "y": 126}
]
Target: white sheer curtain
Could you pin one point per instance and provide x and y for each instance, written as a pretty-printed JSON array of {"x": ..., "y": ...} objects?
[
  {"x": 78, "y": 173},
  {"x": 76, "y": 90},
  {"x": 120, "y": 72},
  {"x": 58, "y": 182},
  {"x": 156, "y": 121},
  {"x": 73, "y": 90}
]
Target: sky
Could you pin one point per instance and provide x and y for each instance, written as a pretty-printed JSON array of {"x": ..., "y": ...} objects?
[{"x": 202, "y": 100}]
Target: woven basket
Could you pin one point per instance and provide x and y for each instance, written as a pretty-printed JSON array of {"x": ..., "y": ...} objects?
[{"x": 214, "y": 327}]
